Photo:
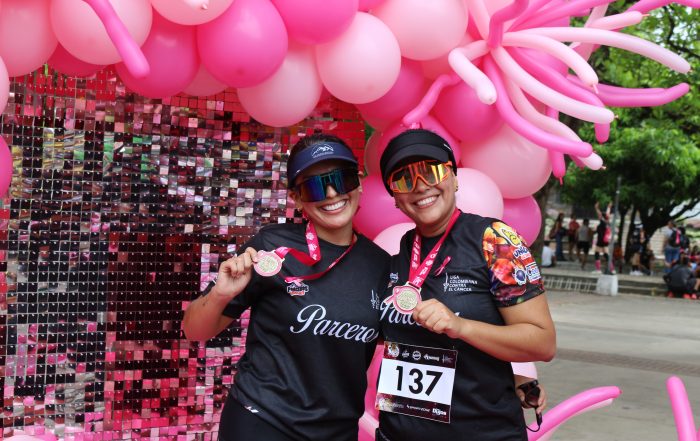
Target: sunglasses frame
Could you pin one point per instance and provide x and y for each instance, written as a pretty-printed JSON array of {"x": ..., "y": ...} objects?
[
  {"x": 328, "y": 178},
  {"x": 430, "y": 163},
  {"x": 532, "y": 391}
]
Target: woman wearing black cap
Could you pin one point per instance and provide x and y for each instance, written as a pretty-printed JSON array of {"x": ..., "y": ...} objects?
[
  {"x": 465, "y": 299},
  {"x": 314, "y": 318}
]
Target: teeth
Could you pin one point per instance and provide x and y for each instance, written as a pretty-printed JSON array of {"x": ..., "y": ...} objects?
[
  {"x": 335, "y": 206},
  {"x": 426, "y": 201}
]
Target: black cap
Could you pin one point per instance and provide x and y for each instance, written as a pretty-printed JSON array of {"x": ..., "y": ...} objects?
[{"x": 414, "y": 145}]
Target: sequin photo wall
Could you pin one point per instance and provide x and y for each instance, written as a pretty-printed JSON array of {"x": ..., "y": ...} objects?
[{"x": 119, "y": 212}]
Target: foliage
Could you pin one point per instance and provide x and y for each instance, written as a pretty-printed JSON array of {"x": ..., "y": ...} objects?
[{"x": 655, "y": 150}]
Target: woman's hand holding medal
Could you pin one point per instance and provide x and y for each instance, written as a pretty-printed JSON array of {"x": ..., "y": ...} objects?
[
  {"x": 436, "y": 317},
  {"x": 234, "y": 275}
]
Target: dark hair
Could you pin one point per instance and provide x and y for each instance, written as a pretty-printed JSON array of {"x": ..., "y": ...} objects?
[
  {"x": 585, "y": 221},
  {"x": 308, "y": 141}
]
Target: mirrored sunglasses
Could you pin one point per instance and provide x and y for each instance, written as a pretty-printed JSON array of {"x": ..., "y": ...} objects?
[
  {"x": 313, "y": 188},
  {"x": 405, "y": 179}
]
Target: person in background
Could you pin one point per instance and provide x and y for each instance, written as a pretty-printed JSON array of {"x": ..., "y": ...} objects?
[
  {"x": 681, "y": 280},
  {"x": 671, "y": 245},
  {"x": 466, "y": 295},
  {"x": 618, "y": 257},
  {"x": 549, "y": 260},
  {"x": 603, "y": 234},
  {"x": 314, "y": 319},
  {"x": 557, "y": 233},
  {"x": 583, "y": 243},
  {"x": 572, "y": 235}
]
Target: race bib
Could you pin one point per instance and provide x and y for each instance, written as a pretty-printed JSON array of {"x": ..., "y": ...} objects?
[{"x": 417, "y": 381}]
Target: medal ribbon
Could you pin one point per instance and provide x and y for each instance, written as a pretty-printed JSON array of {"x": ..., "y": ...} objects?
[
  {"x": 419, "y": 271},
  {"x": 313, "y": 257}
]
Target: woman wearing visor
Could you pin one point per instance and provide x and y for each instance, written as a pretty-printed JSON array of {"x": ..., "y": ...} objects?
[
  {"x": 313, "y": 290},
  {"x": 465, "y": 300}
]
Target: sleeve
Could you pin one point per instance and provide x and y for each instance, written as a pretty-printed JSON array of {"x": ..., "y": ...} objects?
[
  {"x": 515, "y": 277},
  {"x": 247, "y": 298}
]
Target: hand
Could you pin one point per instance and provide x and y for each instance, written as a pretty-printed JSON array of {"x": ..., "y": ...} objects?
[
  {"x": 541, "y": 401},
  {"x": 436, "y": 317},
  {"x": 234, "y": 275}
]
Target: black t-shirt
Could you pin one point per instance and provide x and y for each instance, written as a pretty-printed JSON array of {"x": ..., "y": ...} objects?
[
  {"x": 309, "y": 346},
  {"x": 490, "y": 267},
  {"x": 600, "y": 233}
]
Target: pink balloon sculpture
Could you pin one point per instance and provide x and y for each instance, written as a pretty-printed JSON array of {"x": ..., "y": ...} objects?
[
  {"x": 478, "y": 194},
  {"x": 524, "y": 216},
  {"x": 363, "y": 63},
  {"x": 404, "y": 95},
  {"x": 389, "y": 239},
  {"x": 27, "y": 38},
  {"x": 4, "y": 86},
  {"x": 245, "y": 45},
  {"x": 579, "y": 403},
  {"x": 189, "y": 12},
  {"x": 316, "y": 21},
  {"x": 516, "y": 165},
  {"x": 171, "y": 52},
  {"x": 377, "y": 210},
  {"x": 65, "y": 63},
  {"x": 290, "y": 94},
  {"x": 682, "y": 412},
  {"x": 109, "y": 32},
  {"x": 204, "y": 84}
]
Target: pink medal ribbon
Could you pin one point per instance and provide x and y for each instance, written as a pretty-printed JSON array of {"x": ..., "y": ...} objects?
[
  {"x": 270, "y": 262},
  {"x": 406, "y": 297}
]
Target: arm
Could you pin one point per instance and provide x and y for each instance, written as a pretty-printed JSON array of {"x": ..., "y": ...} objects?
[
  {"x": 203, "y": 317},
  {"x": 528, "y": 333}
]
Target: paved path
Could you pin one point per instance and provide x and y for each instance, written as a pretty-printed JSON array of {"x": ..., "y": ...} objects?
[{"x": 630, "y": 341}]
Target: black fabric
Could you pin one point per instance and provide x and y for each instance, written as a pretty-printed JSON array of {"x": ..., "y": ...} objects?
[
  {"x": 240, "y": 424},
  {"x": 484, "y": 403},
  {"x": 600, "y": 234},
  {"x": 306, "y": 356}
]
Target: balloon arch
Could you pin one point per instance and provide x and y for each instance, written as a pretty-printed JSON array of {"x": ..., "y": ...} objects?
[{"x": 489, "y": 76}]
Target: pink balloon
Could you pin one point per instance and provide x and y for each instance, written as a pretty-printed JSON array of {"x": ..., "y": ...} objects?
[
  {"x": 478, "y": 194},
  {"x": 424, "y": 29},
  {"x": 290, "y": 94},
  {"x": 682, "y": 412},
  {"x": 372, "y": 154},
  {"x": 363, "y": 63},
  {"x": 464, "y": 115},
  {"x": 527, "y": 369},
  {"x": 4, "y": 86},
  {"x": 245, "y": 45},
  {"x": 366, "y": 5},
  {"x": 435, "y": 67},
  {"x": 389, "y": 239},
  {"x": 189, "y": 13},
  {"x": 89, "y": 40},
  {"x": 64, "y": 62},
  {"x": 5, "y": 167},
  {"x": 404, "y": 95},
  {"x": 524, "y": 216},
  {"x": 171, "y": 51},
  {"x": 428, "y": 123},
  {"x": 316, "y": 21},
  {"x": 377, "y": 208},
  {"x": 26, "y": 36},
  {"x": 516, "y": 165},
  {"x": 204, "y": 84}
]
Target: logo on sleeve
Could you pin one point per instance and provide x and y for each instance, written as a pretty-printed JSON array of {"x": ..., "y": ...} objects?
[
  {"x": 510, "y": 235},
  {"x": 297, "y": 289},
  {"x": 519, "y": 276},
  {"x": 522, "y": 253},
  {"x": 533, "y": 272}
]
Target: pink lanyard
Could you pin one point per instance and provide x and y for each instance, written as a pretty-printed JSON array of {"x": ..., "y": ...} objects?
[
  {"x": 419, "y": 271},
  {"x": 313, "y": 257}
]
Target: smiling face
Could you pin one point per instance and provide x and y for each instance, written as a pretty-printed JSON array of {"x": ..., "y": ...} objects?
[
  {"x": 430, "y": 207},
  {"x": 332, "y": 217}
]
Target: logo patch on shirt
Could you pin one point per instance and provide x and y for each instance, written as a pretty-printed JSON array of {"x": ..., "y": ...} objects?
[
  {"x": 522, "y": 253},
  {"x": 510, "y": 235},
  {"x": 297, "y": 289},
  {"x": 533, "y": 272},
  {"x": 456, "y": 283},
  {"x": 393, "y": 279},
  {"x": 519, "y": 276},
  {"x": 376, "y": 303}
]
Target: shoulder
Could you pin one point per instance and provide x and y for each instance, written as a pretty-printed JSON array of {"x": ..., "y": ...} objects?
[{"x": 370, "y": 248}]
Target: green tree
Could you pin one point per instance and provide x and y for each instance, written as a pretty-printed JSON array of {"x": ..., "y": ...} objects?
[{"x": 655, "y": 150}]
